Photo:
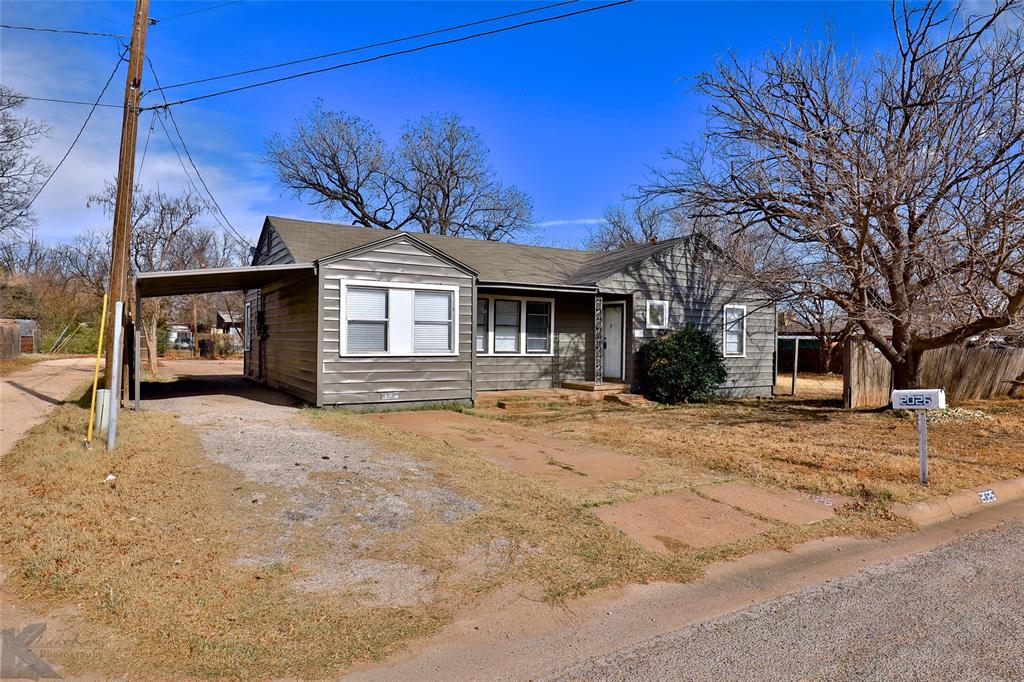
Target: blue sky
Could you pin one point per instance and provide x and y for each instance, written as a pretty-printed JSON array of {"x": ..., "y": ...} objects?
[{"x": 573, "y": 111}]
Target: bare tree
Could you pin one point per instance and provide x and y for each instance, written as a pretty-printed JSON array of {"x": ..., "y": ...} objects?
[
  {"x": 632, "y": 224},
  {"x": 894, "y": 188},
  {"x": 829, "y": 324},
  {"x": 21, "y": 173},
  {"x": 436, "y": 179},
  {"x": 450, "y": 187},
  {"x": 167, "y": 234}
]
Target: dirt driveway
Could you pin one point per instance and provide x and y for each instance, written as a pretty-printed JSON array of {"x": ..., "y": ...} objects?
[{"x": 29, "y": 394}]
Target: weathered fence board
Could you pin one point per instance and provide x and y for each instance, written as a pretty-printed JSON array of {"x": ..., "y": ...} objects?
[
  {"x": 964, "y": 373},
  {"x": 10, "y": 341}
]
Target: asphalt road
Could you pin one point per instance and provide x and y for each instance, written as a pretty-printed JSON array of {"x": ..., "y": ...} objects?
[{"x": 955, "y": 612}]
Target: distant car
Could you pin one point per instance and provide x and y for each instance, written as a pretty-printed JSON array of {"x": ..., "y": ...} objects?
[{"x": 184, "y": 343}]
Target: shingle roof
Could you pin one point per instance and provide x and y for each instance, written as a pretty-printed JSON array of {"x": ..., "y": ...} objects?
[{"x": 495, "y": 262}]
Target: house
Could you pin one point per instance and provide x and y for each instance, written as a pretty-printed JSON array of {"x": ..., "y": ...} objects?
[
  {"x": 362, "y": 317},
  {"x": 227, "y": 323}
]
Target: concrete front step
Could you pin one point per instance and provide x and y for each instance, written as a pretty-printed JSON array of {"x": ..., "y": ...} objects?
[
  {"x": 628, "y": 399},
  {"x": 605, "y": 388}
]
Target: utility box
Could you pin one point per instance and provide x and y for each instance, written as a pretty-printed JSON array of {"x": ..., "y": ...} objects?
[{"x": 919, "y": 399}]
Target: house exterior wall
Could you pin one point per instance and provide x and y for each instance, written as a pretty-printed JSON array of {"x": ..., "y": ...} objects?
[
  {"x": 571, "y": 360},
  {"x": 697, "y": 294},
  {"x": 381, "y": 380},
  {"x": 283, "y": 343},
  {"x": 271, "y": 249}
]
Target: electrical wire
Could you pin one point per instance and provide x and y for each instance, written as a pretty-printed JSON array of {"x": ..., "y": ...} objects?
[
  {"x": 386, "y": 55},
  {"x": 153, "y": 22},
  {"x": 145, "y": 147},
  {"x": 70, "y": 31},
  {"x": 362, "y": 47},
  {"x": 71, "y": 147},
  {"x": 72, "y": 101},
  {"x": 192, "y": 162}
]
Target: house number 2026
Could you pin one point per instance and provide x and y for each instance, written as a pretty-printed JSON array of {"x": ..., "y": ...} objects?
[{"x": 917, "y": 401}]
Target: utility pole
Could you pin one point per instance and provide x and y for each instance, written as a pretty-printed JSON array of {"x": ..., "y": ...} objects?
[{"x": 126, "y": 177}]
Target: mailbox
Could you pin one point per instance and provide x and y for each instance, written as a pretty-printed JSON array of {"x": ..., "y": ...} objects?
[{"x": 920, "y": 399}]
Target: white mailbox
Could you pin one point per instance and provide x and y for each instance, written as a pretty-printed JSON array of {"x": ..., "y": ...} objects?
[{"x": 919, "y": 399}]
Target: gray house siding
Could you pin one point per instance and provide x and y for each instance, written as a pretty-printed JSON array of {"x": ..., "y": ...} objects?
[
  {"x": 696, "y": 294},
  {"x": 573, "y": 357},
  {"x": 376, "y": 380},
  {"x": 284, "y": 349},
  {"x": 271, "y": 249}
]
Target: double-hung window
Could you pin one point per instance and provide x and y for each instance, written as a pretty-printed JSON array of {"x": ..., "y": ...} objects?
[
  {"x": 432, "y": 322},
  {"x": 514, "y": 326},
  {"x": 735, "y": 333},
  {"x": 483, "y": 309},
  {"x": 657, "y": 314},
  {"x": 506, "y": 326},
  {"x": 538, "y": 327},
  {"x": 367, "y": 320}
]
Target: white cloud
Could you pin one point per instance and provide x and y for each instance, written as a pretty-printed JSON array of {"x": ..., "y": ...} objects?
[{"x": 565, "y": 222}]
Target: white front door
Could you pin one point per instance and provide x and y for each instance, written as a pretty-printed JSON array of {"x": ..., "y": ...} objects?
[{"x": 613, "y": 341}]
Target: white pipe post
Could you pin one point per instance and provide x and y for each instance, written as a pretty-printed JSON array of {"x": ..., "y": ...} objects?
[
  {"x": 115, "y": 377},
  {"x": 922, "y": 443}
]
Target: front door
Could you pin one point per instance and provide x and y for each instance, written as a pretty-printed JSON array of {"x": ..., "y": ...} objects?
[{"x": 613, "y": 315}]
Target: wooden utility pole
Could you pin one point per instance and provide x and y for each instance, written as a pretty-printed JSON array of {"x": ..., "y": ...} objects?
[{"x": 122, "y": 236}]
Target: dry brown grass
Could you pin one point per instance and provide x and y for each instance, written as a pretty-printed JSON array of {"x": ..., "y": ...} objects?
[
  {"x": 809, "y": 443},
  {"x": 13, "y": 365},
  {"x": 149, "y": 559}
]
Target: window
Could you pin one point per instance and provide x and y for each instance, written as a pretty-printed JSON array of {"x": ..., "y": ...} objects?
[
  {"x": 482, "y": 316},
  {"x": 432, "y": 325},
  {"x": 735, "y": 321},
  {"x": 538, "y": 327},
  {"x": 248, "y": 325},
  {"x": 367, "y": 311},
  {"x": 506, "y": 326},
  {"x": 657, "y": 314}
]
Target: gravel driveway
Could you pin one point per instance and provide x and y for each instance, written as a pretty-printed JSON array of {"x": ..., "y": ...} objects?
[
  {"x": 339, "y": 494},
  {"x": 952, "y": 613}
]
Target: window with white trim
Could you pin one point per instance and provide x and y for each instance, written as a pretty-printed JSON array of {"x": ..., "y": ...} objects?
[
  {"x": 538, "y": 327},
  {"x": 483, "y": 309},
  {"x": 657, "y": 314},
  {"x": 367, "y": 316},
  {"x": 402, "y": 319},
  {"x": 514, "y": 325},
  {"x": 248, "y": 325},
  {"x": 432, "y": 322},
  {"x": 506, "y": 325},
  {"x": 734, "y": 320}
]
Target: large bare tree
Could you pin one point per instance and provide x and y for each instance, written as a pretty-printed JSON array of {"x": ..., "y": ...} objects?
[
  {"x": 168, "y": 233},
  {"x": 21, "y": 173},
  {"x": 894, "y": 186},
  {"x": 436, "y": 179},
  {"x": 631, "y": 224}
]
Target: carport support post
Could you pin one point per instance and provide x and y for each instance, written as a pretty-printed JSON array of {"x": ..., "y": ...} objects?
[
  {"x": 922, "y": 443},
  {"x": 796, "y": 361},
  {"x": 138, "y": 349}
]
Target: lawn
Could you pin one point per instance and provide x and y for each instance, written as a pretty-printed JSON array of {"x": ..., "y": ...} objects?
[{"x": 808, "y": 442}]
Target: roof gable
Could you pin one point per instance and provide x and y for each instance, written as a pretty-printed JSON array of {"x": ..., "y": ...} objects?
[{"x": 398, "y": 238}]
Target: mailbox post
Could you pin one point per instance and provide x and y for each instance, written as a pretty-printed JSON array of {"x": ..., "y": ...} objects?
[{"x": 921, "y": 400}]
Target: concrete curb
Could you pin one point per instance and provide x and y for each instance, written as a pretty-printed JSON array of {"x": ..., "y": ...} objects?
[{"x": 960, "y": 504}]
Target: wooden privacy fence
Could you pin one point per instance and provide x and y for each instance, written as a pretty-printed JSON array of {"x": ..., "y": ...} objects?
[
  {"x": 10, "y": 341},
  {"x": 964, "y": 373}
]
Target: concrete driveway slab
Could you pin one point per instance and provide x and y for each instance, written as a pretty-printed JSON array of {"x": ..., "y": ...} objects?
[
  {"x": 791, "y": 506},
  {"x": 665, "y": 522},
  {"x": 558, "y": 461}
]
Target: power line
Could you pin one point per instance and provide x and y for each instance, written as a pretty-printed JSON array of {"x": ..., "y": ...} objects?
[
  {"x": 145, "y": 147},
  {"x": 71, "y": 31},
  {"x": 72, "y": 101},
  {"x": 195, "y": 11},
  {"x": 74, "y": 142},
  {"x": 195, "y": 168},
  {"x": 386, "y": 55},
  {"x": 363, "y": 47}
]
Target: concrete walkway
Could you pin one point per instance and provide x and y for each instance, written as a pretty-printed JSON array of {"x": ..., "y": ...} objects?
[{"x": 28, "y": 395}]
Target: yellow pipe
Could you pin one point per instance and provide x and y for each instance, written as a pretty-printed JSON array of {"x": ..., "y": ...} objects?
[{"x": 96, "y": 372}]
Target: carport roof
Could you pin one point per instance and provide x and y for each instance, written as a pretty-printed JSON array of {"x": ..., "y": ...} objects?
[{"x": 149, "y": 284}]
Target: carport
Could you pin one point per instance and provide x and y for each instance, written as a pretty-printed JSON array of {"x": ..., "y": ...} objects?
[{"x": 183, "y": 282}]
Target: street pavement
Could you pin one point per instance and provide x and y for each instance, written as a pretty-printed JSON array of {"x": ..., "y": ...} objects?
[{"x": 955, "y": 612}]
